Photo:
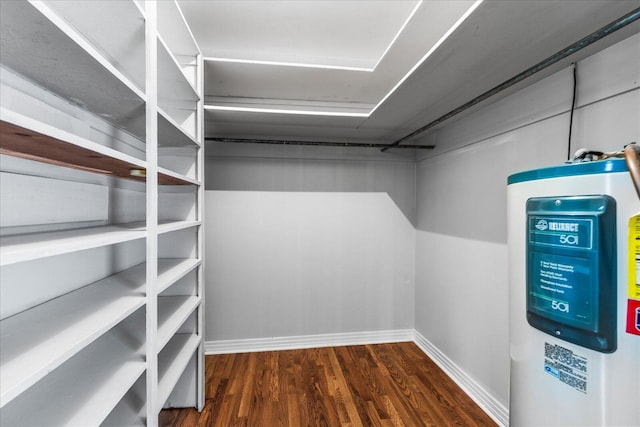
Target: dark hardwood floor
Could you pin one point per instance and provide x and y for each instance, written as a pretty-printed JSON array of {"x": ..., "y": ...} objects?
[{"x": 366, "y": 385}]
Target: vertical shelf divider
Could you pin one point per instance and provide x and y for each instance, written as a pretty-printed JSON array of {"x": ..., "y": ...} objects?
[
  {"x": 200, "y": 249},
  {"x": 151, "y": 121}
]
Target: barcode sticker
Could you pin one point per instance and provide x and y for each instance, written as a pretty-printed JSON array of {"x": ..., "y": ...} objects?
[{"x": 567, "y": 366}]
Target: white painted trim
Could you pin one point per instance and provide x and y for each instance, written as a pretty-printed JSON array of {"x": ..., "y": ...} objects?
[
  {"x": 483, "y": 398},
  {"x": 307, "y": 341}
]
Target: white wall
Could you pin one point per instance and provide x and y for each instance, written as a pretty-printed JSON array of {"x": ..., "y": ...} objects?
[
  {"x": 461, "y": 253},
  {"x": 248, "y": 168},
  {"x": 300, "y": 247}
]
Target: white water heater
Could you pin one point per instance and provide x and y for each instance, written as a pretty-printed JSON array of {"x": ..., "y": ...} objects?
[{"x": 574, "y": 238}]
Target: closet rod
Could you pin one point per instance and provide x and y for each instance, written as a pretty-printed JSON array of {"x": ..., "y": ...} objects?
[{"x": 313, "y": 143}]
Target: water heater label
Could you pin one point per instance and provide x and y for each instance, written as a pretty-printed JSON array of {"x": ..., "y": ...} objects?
[
  {"x": 634, "y": 257},
  {"x": 561, "y": 287},
  {"x": 567, "y": 366},
  {"x": 561, "y": 232},
  {"x": 633, "y": 317}
]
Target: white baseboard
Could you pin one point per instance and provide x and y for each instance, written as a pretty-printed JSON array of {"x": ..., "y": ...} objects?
[
  {"x": 496, "y": 410},
  {"x": 307, "y": 341}
]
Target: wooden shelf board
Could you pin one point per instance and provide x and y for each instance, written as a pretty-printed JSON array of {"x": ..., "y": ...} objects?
[
  {"x": 36, "y": 48},
  {"x": 81, "y": 392},
  {"x": 172, "y": 362},
  {"x": 178, "y": 177},
  {"x": 173, "y": 311},
  {"x": 18, "y": 127},
  {"x": 170, "y": 178},
  {"x": 16, "y": 165},
  {"x": 29, "y": 144},
  {"x": 170, "y": 270},
  {"x": 40, "y": 339},
  {"x": 27, "y": 247}
]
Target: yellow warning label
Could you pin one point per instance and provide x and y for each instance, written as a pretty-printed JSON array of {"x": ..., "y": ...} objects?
[{"x": 634, "y": 257}]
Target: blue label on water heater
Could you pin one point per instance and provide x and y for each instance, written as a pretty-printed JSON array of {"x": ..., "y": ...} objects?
[
  {"x": 571, "y": 284},
  {"x": 562, "y": 288},
  {"x": 561, "y": 232}
]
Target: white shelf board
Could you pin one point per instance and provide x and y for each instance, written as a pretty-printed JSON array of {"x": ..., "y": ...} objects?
[
  {"x": 172, "y": 362},
  {"x": 53, "y": 132},
  {"x": 115, "y": 28},
  {"x": 83, "y": 391},
  {"x": 27, "y": 247},
  {"x": 129, "y": 413},
  {"x": 56, "y": 57},
  {"x": 172, "y": 313},
  {"x": 176, "y": 175},
  {"x": 40, "y": 339},
  {"x": 170, "y": 270},
  {"x": 169, "y": 226},
  {"x": 173, "y": 85},
  {"x": 171, "y": 134},
  {"x": 174, "y": 29}
]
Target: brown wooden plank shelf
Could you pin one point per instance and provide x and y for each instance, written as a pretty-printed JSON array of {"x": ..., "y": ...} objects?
[{"x": 25, "y": 143}]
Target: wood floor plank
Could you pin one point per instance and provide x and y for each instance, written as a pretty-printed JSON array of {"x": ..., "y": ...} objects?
[
  {"x": 247, "y": 386},
  {"x": 408, "y": 404},
  {"x": 343, "y": 394},
  {"x": 387, "y": 385},
  {"x": 353, "y": 378}
]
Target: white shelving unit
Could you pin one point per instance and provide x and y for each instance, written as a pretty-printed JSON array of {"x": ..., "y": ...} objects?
[
  {"x": 170, "y": 270},
  {"x": 173, "y": 312},
  {"x": 91, "y": 389},
  {"x": 101, "y": 163},
  {"x": 173, "y": 361},
  {"x": 36, "y": 341}
]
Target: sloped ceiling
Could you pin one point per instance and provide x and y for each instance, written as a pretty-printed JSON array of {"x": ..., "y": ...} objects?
[{"x": 374, "y": 71}]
